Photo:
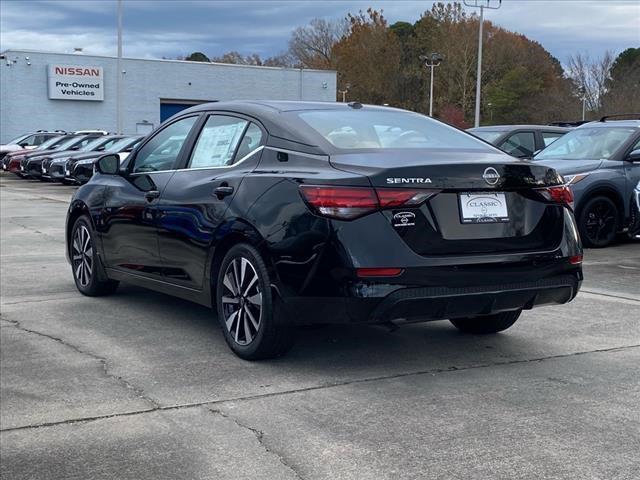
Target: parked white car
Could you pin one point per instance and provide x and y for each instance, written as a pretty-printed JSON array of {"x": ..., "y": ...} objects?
[{"x": 28, "y": 141}]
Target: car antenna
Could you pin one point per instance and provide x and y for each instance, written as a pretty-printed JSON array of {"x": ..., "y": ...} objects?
[{"x": 355, "y": 105}]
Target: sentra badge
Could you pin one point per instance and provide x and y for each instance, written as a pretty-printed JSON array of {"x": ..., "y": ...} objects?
[{"x": 409, "y": 180}]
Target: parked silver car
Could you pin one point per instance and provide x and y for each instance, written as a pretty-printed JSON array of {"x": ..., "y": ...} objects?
[{"x": 601, "y": 162}]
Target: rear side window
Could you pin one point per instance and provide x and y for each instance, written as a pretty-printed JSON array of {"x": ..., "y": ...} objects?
[
  {"x": 521, "y": 144},
  {"x": 550, "y": 137},
  {"x": 381, "y": 129},
  {"x": 217, "y": 142}
]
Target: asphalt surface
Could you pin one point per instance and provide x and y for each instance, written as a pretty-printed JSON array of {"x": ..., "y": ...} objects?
[{"x": 142, "y": 386}]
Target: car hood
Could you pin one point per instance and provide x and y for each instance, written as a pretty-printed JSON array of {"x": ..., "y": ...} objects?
[
  {"x": 87, "y": 156},
  {"x": 10, "y": 147},
  {"x": 571, "y": 167}
]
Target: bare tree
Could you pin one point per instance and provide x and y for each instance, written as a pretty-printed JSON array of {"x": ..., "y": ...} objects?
[
  {"x": 591, "y": 77},
  {"x": 311, "y": 46}
]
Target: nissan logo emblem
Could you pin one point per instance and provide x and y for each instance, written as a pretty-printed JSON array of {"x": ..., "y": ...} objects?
[{"x": 491, "y": 176}]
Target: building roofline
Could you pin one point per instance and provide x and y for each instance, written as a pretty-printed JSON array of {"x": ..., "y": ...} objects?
[{"x": 80, "y": 55}]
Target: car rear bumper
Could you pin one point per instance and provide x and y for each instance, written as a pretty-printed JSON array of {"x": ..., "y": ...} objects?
[{"x": 426, "y": 303}]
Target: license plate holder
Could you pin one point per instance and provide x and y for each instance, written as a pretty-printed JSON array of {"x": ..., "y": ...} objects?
[{"x": 483, "y": 207}]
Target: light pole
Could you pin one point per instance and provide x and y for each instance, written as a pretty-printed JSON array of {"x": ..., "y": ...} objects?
[
  {"x": 119, "y": 72},
  {"x": 583, "y": 94},
  {"x": 344, "y": 92},
  {"x": 482, "y": 4},
  {"x": 432, "y": 61}
]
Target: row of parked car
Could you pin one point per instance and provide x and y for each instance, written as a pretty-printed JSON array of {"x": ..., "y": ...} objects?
[
  {"x": 67, "y": 157},
  {"x": 600, "y": 161}
]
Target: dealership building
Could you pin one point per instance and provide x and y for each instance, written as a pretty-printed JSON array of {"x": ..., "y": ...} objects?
[{"x": 49, "y": 91}]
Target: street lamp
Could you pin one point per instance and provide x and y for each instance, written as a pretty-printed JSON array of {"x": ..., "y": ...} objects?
[
  {"x": 431, "y": 61},
  {"x": 583, "y": 94},
  {"x": 482, "y": 4},
  {"x": 344, "y": 92}
]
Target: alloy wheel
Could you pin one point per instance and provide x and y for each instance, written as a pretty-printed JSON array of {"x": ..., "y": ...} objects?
[
  {"x": 600, "y": 222},
  {"x": 241, "y": 300},
  {"x": 82, "y": 255}
]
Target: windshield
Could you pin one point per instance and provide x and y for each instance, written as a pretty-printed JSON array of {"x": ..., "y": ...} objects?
[
  {"x": 66, "y": 144},
  {"x": 93, "y": 144},
  {"x": 17, "y": 140},
  {"x": 598, "y": 143},
  {"x": 488, "y": 135},
  {"x": 378, "y": 129},
  {"x": 48, "y": 143},
  {"x": 121, "y": 145}
]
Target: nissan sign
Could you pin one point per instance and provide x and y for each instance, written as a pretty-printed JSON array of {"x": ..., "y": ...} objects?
[{"x": 76, "y": 82}]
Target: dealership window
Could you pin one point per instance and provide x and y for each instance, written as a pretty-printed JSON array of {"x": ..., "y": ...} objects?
[
  {"x": 521, "y": 144},
  {"x": 217, "y": 142},
  {"x": 161, "y": 152}
]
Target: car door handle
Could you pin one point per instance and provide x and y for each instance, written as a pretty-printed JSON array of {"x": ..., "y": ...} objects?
[
  {"x": 223, "y": 191},
  {"x": 151, "y": 195}
]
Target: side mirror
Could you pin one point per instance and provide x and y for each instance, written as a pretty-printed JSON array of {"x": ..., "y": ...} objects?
[
  {"x": 24, "y": 144},
  {"x": 108, "y": 164},
  {"x": 634, "y": 156}
]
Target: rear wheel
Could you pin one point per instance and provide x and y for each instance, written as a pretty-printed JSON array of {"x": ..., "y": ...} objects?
[
  {"x": 87, "y": 270},
  {"x": 253, "y": 325},
  {"x": 598, "y": 222},
  {"x": 487, "y": 323}
]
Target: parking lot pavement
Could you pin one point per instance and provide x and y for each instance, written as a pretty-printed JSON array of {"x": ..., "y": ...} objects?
[{"x": 142, "y": 386}]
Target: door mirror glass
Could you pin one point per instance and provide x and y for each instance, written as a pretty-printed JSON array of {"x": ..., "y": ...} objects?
[
  {"x": 634, "y": 156},
  {"x": 108, "y": 164}
]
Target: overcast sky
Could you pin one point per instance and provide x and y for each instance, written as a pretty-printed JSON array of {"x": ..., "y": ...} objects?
[{"x": 172, "y": 28}]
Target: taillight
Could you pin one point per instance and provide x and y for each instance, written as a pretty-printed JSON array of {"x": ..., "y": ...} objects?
[
  {"x": 340, "y": 202},
  {"x": 560, "y": 194},
  {"x": 575, "y": 260},
  {"x": 347, "y": 203}
]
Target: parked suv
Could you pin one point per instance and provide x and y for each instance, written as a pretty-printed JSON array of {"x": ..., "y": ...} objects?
[
  {"x": 600, "y": 161},
  {"x": 521, "y": 141}
]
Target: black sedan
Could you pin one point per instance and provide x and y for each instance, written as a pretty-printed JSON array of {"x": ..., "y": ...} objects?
[{"x": 291, "y": 213}]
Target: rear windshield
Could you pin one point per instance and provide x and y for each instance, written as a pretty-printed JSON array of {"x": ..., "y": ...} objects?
[{"x": 379, "y": 129}]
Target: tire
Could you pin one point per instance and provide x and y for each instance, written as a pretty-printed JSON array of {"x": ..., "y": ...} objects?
[
  {"x": 487, "y": 323},
  {"x": 86, "y": 266},
  {"x": 598, "y": 222},
  {"x": 252, "y": 321}
]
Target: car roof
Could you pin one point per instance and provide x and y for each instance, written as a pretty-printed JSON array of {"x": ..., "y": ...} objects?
[
  {"x": 508, "y": 128},
  {"x": 283, "y": 127},
  {"x": 611, "y": 123}
]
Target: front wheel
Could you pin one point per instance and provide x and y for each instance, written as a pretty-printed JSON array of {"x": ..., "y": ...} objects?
[
  {"x": 87, "y": 270},
  {"x": 486, "y": 323},
  {"x": 253, "y": 327},
  {"x": 598, "y": 222}
]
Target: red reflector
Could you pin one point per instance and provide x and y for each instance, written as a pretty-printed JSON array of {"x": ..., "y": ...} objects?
[
  {"x": 561, "y": 194},
  {"x": 379, "y": 272},
  {"x": 575, "y": 260}
]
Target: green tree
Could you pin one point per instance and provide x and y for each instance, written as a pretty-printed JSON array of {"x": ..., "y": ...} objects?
[{"x": 197, "y": 57}]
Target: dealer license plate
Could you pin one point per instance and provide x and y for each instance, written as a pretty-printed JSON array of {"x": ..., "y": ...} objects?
[{"x": 483, "y": 207}]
